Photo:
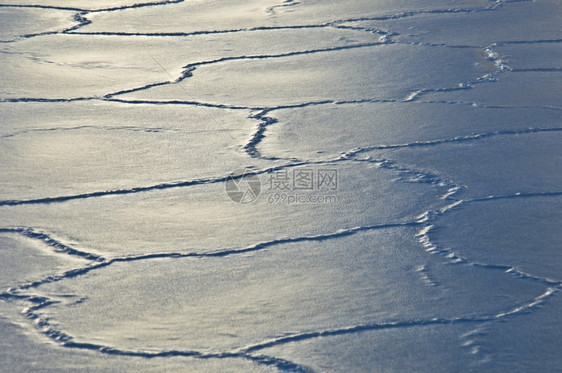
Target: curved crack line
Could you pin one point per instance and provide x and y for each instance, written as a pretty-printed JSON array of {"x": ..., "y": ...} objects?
[
  {"x": 201, "y": 32},
  {"x": 485, "y": 106},
  {"x": 516, "y": 195},
  {"x": 49, "y": 200},
  {"x": 491, "y": 55},
  {"x": 190, "y": 68},
  {"x": 263, "y": 109},
  {"x": 515, "y": 311},
  {"x": 83, "y": 10},
  {"x": 62, "y": 338},
  {"x": 417, "y": 176},
  {"x": 58, "y": 246},
  {"x": 248, "y": 352},
  {"x": 516, "y": 42},
  {"x": 436, "y": 45},
  {"x": 100, "y": 128},
  {"x": 265, "y": 121},
  {"x": 181, "y": 102},
  {"x": 65, "y": 340},
  {"x": 384, "y": 35},
  {"x": 550, "y": 292},
  {"x": 79, "y": 17},
  {"x": 103, "y": 262},
  {"x": 188, "y": 72},
  {"x": 454, "y": 258},
  {"x": 432, "y": 215},
  {"x": 458, "y": 139},
  {"x": 413, "y": 13},
  {"x": 163, "y": 186},
  {"x": 48, "y": 100},
  {"x": 250, "y": 147},
  {"x": 221, "y": 126},
  {"x": 431, "y": 247},
  {"x": 335, "y": 23},
  {"x": 83, "y": 21}
]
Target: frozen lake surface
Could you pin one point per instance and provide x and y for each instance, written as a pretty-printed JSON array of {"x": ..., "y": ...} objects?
[{"x": 281, "y": 185}]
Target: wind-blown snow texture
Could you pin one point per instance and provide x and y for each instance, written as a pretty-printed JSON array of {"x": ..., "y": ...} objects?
[{"x": 438, "y": 250}]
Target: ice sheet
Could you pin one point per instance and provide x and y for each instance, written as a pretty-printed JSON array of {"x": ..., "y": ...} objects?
[{"x": 396, "y": 204}]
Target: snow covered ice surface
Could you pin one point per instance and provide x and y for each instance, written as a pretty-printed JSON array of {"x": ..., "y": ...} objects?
[{"x": 400, "y": 210}]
